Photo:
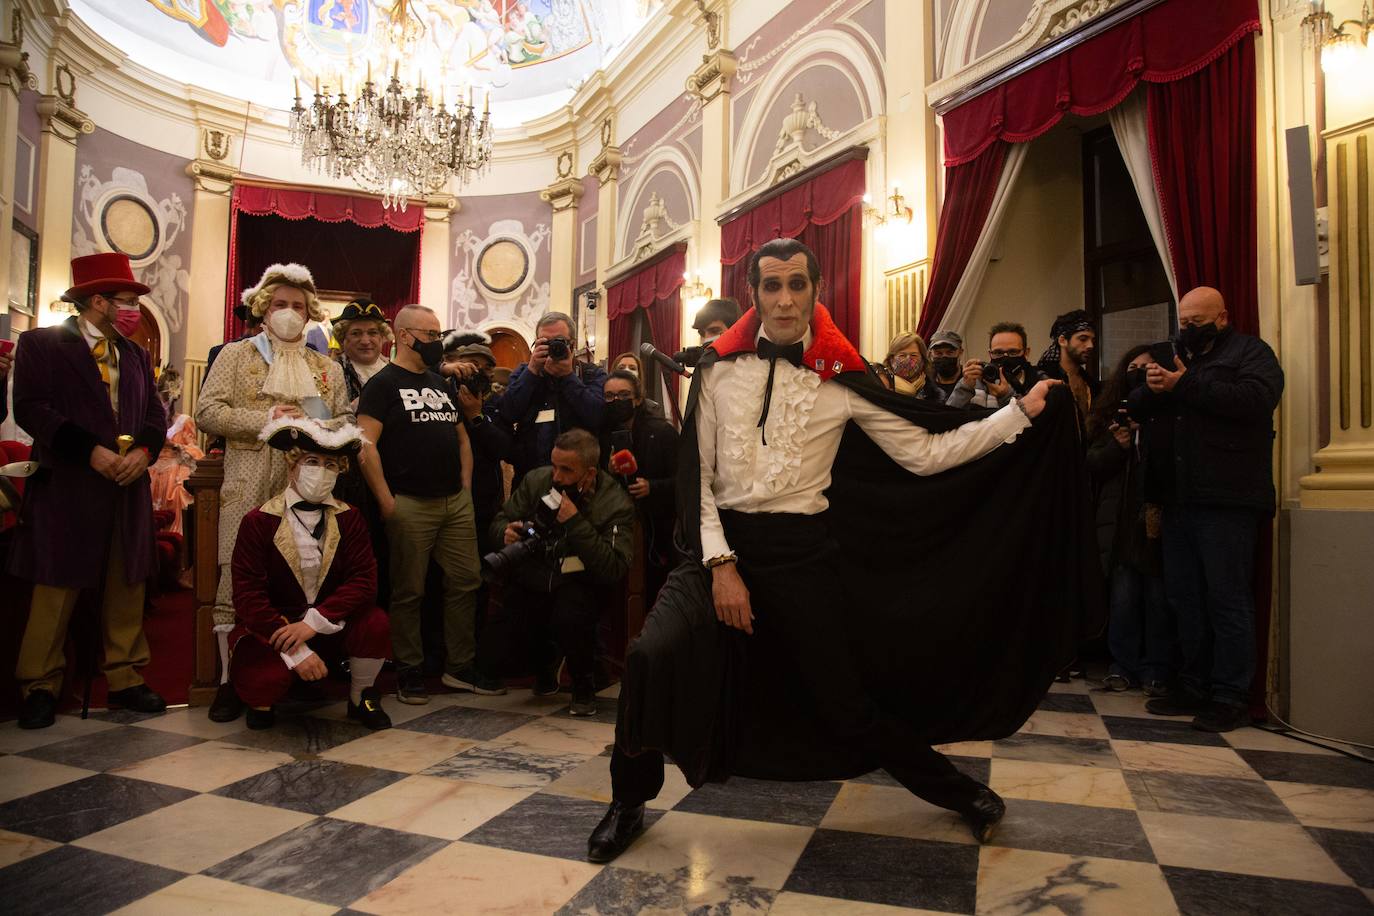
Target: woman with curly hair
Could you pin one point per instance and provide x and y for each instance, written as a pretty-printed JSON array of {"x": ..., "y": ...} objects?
[{"x": 906, "y": 368}]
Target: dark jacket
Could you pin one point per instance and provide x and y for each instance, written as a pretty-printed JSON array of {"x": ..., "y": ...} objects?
[
  {"x": 577, "y": 402},
  {"x": 492, "y": 443},
  {"x": 69, "y": 511},
  {"x": 1119, "y": 498},
  {"x": 654, "y": 445},
  {"x": 1215, "y": 429}
]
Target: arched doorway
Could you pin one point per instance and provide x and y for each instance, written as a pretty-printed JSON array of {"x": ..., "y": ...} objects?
[{"x": 509, "y": 347}]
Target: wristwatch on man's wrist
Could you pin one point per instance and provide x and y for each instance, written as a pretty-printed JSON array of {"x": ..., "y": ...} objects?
[{"x": 720, "y": 560}]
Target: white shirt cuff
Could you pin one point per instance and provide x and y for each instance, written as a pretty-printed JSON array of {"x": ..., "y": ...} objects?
[
  {"x": 293, "y": 659},
  {"x": 713, "y": 544},
  {"x": 1012, "y": 419},
  {"x": 320, "y": 624}
]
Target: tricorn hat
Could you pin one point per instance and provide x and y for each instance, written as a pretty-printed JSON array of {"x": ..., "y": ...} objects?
[
  {"x": 310, "y": 435},
  {"x": 102, "y": 273},
  {"x": 361, "y": 308}
]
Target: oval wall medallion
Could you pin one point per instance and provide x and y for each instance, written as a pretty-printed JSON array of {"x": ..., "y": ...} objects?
[{"x": 503, "y": 265}]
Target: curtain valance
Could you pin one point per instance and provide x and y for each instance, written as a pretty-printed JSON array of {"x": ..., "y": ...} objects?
[
  {"x": 817, "y": 202},
  {"x": 305, "y": 203}
]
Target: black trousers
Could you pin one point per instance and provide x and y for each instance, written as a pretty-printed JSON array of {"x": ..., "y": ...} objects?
[
  {"x": 564, "y": 619},
  {"x": 791, "y": 568}
]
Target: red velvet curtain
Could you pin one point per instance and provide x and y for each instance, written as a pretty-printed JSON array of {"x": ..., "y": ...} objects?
[
  {"x": 1202, "y": 147},
  {"x": 655, "y": 287},
  {"x": 349, "y": 242},
  {"x": 826, "y": 214},
  {"x": 969, "y": 191}
]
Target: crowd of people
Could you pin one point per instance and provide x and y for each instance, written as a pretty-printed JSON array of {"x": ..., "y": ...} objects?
[{"x": 377, "y": 502}]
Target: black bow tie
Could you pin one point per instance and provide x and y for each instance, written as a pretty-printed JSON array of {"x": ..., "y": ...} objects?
[
  {"x": 308, "y": 507},
  {"x": 772, "y": 352}
]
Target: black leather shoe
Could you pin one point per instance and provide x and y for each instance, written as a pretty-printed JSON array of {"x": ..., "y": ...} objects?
[
  {"x": 615, "y": 833},
  {"x": 39, "y": 711},
  {"x": 227, "y": 706},
  {"x": 1177, "y": 703},
  {"x": 1222, "y": 717},
  {"x": 139, "y": 698},
  {"x": 369, "y": 710},
  {"x": 259, "y": 719},
  {"x": 984, "y": 814}
]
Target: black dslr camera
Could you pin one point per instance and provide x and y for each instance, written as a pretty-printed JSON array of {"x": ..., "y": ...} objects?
[
  {"x": 478, "y": 384},
  {"x": 540, "y": 537},
  {"x": 560, "y": 348}
]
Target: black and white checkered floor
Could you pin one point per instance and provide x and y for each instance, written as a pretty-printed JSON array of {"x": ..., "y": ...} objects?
[{"x": 483, "y": 804}]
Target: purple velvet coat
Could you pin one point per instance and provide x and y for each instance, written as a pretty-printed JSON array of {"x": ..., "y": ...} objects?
[{"x": 69, "y": 510}]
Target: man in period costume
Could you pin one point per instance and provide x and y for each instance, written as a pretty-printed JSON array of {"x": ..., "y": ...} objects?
[
  {"x": 790, "y": 644},
  {"x": 262, "y": 378},
  {"x": 86, "y": 394},
  {"x": 362, "y": 331},
  {"x": 305, "y": 581}
]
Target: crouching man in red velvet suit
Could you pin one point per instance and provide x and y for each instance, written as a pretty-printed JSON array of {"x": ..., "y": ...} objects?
[{"x": 305, "y": 581}]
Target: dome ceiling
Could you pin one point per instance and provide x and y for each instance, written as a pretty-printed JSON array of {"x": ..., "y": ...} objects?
[{"x": 530, "y": 54}]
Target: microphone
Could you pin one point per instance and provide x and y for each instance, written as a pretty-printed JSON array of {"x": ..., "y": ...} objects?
[
  {"x": 623, "y": 463},
  {"x": 649, "y": 351}
]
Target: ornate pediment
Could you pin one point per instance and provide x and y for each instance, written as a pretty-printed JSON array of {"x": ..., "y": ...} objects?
[{"x": 656, "y": 223}]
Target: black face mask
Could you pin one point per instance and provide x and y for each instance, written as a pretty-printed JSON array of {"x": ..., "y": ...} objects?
[
  {"x": 1008, "y": 364},
  {"x": 431, "y": 351},
  {"x": 1196, "y": 337},
  {"x": 1134, "y": 378},
  {"x": 619, "y": 412},
  {"x": 945, "y": 366}
]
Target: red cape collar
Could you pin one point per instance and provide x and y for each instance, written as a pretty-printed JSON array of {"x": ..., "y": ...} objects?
[{"x": 830, "y": 353}]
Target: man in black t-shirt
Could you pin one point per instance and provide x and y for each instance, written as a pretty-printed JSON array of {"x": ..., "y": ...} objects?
[{"x": 419, "y": 467}]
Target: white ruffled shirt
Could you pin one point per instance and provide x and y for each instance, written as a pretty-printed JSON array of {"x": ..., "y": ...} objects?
[
  {"x": 806, "y": 418},
  {"x": 302, "y": 523}
]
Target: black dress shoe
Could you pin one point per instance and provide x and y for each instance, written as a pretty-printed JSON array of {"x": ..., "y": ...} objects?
[
  {"x": 616, "y": 831},
  {"x": 259, "y": 719},
  {"x": 369, "y": 710},
  {"x": 1222, "y": 717},
  {"x": 39, "y": 711},
  {"x": 227, "y": 706},
  {"x": 1177, "y": 703},
  {"x": 984, "y": 814},
  {"x": 139, "y": 698}
]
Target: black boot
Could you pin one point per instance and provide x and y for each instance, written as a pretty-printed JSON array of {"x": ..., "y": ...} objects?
[
  {"x": 139, "y": 698},
  {"x": 616, "y": 831},
  {"x": 39, "y": 710},
  {"x": 259, "y": 719},
  {"x": 227, "y": 706},
  {"x": 369, "y": 710},
  {"x": 984, "y": 813}
]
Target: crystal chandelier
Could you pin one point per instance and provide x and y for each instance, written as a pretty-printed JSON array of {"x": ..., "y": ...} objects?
[{"x": 393, "y": 140}]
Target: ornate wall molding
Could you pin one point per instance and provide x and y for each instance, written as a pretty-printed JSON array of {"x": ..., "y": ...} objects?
[
  {"x": 606, "y": 167},
  {"x": 63, "y": 120},
  {"x": 563, "y": 195},
  {"x": 214, "y": 177},
  {"x": 713, "y": 77},
  {"x": 1075, "y": 16},
  {"x": 439, "y": 208}
]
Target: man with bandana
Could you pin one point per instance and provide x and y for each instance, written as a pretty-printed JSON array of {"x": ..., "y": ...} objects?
[{"x": 1072, "y": 343}]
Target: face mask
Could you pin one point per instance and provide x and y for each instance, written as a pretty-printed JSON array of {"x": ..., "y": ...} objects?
[
  {"x": 126, "y": 321},
  {"x": 431, "y": 351},
  {"x": 286, "y": 324},
  {"x": 315, "y": 483},
  {"x": 945, "y": 366},
  {"x": 1134, "y": 378},
  {"x": 906, "y": 365},
  {"x": 620, "y": 412},
  {"x": 1196, "y": 337},
  {"x": 1008, "y": 364}
]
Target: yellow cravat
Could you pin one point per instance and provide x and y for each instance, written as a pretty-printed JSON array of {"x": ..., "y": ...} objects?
[{"x": 105, "y": 358}]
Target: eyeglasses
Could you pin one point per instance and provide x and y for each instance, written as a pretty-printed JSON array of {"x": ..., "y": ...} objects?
[
  {"x": 619, "y": 396},
  {"x": 997, "y": 354},
  {"x": 124, "y": 303},
  {"x": 329, "y": 464},
  {"x": 427, "y": 336}
]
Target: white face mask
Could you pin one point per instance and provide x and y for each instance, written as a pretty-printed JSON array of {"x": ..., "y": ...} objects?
[
  {"x": 286, "y": 324},
  {"x": 315, "y": 483}
]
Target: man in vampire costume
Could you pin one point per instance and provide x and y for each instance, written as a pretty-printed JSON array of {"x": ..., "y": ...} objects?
[{"x": 791, "y": 645}]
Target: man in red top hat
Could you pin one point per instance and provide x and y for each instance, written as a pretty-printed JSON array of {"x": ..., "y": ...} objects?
[{"x": 86, "y": 394}]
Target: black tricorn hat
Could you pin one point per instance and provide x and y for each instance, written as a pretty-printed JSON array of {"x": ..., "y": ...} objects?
[
  {"x": 362, "y": 308},
  {"x": 308, "y": 435}
]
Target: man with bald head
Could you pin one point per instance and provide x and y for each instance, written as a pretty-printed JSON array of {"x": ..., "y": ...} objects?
[
  {"x": 418, "y": 464},
  {"x": 1208, "y": 461}
]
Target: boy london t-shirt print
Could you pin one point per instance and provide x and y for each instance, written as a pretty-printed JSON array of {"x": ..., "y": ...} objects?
[{"x": 419, "y": 441}]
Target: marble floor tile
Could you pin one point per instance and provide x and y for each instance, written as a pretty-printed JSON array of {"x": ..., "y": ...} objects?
[
  {"x": 611, "y": 693},
  {"x": 1212, "y": 893},
  {"x": 192, "y": 835},
  {"x": 563, "y": 735},
  {"x": 111, "y": 749},
  {"x": 512, "y": 767},
  {"x": 1213, "y": 796},
  {"x": 801, "y": 803},
  {"x": 893, "y": 870},
  {"x": 978, "y": 768},
  {"x": 889, "y": 811},
  {"x": 719, "y": 850},
  {"x": 399, "y": 713},
  {"x": 1352, "y": 850},
  {"x": 1199, "y": 760},
  {"x": 193, "y": 721},
  {"x": 1328, "y": 806},
  {"x": 1168, "y": 731},
  {"x": 546, "y": 825},
  {"x": 590, "y": 781},
  {"x": 75, "y": 809},
  {"x": 300, "y": 736},
  {"x": 91, "y": 883},
  {"x": 126, "y": 716},
  {"x": 1067, "y": 702},
  {"x": 206, "y": 766},
  {"x": 1076, "y": 830},
  {"x": 1057, "y": 782},
  {"x": 1077, "y": 685},
  {"x": 606, "y": 711},
  {"x": 521, "y": 701},
  {"x": 1018, "y": 882},
  {"x": 466, "y": 722},
  {"x": 200, "y": 894},
  {"x": 1261, "y": 739},
  {"x": 627, "y": 892},
  {"x": 1131, "y": 704},
  {"x": 675, "y": 789},
  {"x": 966, "y": 749},
  {"x": 311, "y": 786},
  {"x": 399, "y": 749},
  {"x": 1083, "y": 752},
  {"x": 466, "y": 879},
  {"x": 321, "y": 860},
  {"x": 16, "y": 847},
  {"x": 15, "y": 740},
  {"x": 20, "y": 776},
  {"x": 444, "y": 808},
  {"x": 1311, "y": 769},
  {"x": 1064, "y": 724},
  {"x": 789, "y": 903},
  {"x": 1243, "y": 847}
]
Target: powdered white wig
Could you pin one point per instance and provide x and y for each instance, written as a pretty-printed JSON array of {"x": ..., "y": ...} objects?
[{"x": 259, "y": 297}]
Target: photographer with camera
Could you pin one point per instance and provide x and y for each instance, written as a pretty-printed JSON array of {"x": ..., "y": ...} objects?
[
  {"x": 551, "y": 394},
  {"x": 1005, "y": 375},
  {"x": 568, "y": 530},
  {"x": 1209, "y": 416},
  {"x": 469, "y": 365}
]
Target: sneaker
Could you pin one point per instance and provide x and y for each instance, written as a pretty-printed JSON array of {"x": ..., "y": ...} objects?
[
  {"x": 1222, "y": 717},
  {"x": 546, "y": 680},
  {"x": 1118, "y": 683},
  {"x": 470, "y": 678},
  {"x": 583, "y": 701},
  {"x": 1178, "y": 703},
  {"x": 1156, "y": 689},
  {"x": 410, "y": 687}
]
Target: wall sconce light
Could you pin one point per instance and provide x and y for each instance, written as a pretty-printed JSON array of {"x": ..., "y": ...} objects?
[
  {"x": 898, "y": 211},
  {"x": 1341, "y": 47},
  {"x": 693, "y": 288},
  {"x": 593, "y": 298}
]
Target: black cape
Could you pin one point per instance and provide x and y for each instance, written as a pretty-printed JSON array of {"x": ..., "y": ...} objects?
[{"x": 969, "y": 589}]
